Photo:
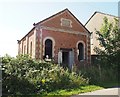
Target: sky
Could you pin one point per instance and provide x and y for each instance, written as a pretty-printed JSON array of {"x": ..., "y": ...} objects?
[{"x": 17, "y": 17}]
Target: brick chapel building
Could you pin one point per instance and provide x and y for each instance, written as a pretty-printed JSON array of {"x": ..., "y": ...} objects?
[{"x": 60, "y": 37}]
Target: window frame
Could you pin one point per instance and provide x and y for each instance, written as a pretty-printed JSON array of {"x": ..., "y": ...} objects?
[{"x": 53, "y": 45}]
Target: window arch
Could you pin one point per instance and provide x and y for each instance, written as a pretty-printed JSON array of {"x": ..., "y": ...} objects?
[
  {"x": 80, "y": 51},
  {"x": 80, "y": 45},
  {"x": 48, "y": 48},
  {"x": 53, "y": 45}
]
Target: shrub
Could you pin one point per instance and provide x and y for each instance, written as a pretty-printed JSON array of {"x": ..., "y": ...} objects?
[
  {"x": 100, "y": 75},
  {"x": 13, "y": 76},
  {"x": 23, "y": 75}
]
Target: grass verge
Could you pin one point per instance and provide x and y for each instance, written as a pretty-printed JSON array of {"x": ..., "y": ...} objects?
[
  {"x": 69, "y": 92},
  {"x": 109, "y": 84}
]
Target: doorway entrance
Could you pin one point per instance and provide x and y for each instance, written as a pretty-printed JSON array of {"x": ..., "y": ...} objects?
[{"x": 66, "y": 57}]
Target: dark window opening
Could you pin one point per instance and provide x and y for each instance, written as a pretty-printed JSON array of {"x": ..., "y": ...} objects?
[
  {"x": 81, "y": 51},
  {"x": 48, "y": 49}
]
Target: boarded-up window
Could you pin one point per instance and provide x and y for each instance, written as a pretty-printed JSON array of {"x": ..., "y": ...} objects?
[{"x": 66, "y": 22}]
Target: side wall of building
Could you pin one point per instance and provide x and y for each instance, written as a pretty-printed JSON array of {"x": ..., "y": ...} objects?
[{"x": 27, "y": 44}]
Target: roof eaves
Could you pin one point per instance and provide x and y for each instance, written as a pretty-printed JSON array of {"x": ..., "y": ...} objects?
[
  {"x": 100, "y": 13},
  {"x": 107, "y": 14},
  {"x": 27, "y": 34},
  {"x": 79, "y": 22}
]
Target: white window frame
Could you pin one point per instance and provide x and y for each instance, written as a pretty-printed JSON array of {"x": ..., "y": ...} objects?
[{"x": 53, "y": 41}]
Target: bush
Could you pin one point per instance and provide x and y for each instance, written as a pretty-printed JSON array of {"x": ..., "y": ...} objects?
[
  {"x": 100, "y": 75},
  {"x": 23, "y": 75}
]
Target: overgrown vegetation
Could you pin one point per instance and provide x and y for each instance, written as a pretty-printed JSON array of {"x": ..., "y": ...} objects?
[
  {"x": 109, "y": 38},
  {"x": 99, "y": 76},
  {"x": 106, "y": 66},
  {"x": 23, "y": 75}
]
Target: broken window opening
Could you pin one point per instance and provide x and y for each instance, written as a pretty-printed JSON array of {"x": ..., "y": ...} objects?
[
  {"x": 81, "y": 51},
  {"x": 48, "y": 49}
]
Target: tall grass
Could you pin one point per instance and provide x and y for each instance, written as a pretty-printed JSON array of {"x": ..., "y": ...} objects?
[{"x": 97, "y": 75}]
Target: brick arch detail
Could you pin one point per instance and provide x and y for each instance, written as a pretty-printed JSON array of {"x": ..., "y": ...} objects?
[
  {"x": 83, "y": 47},
  {"x": 53, "y": 45}
]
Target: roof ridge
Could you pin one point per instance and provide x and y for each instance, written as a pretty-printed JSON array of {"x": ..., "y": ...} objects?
[
  {"x": 43, "y": 21},
  {"x": 90, "y": 17},
  {"x": 66, "y": 9},
  {"x": 52, "y": 16},
  {"x": 106, "y": 14}
]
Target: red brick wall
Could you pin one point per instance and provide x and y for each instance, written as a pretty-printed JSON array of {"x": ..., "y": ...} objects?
[
  {"x": 56, "y": 21},
  {"x": 65, "y": 40}
]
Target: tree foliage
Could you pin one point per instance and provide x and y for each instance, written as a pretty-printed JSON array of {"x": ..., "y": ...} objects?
[{"x": 109, "y": 39}]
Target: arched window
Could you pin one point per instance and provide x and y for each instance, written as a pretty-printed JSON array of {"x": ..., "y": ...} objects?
[
  {"x": 81, "y": 51},
  {"x": 31, "y": 48},
  {"x": 48, "y": 48},
  {"x": 24, "y": 49}
]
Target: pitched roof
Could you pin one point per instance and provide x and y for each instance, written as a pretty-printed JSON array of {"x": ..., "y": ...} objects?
[
  {"x": 99, "y": 13},
  {"x": 53, "y": 16}
]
